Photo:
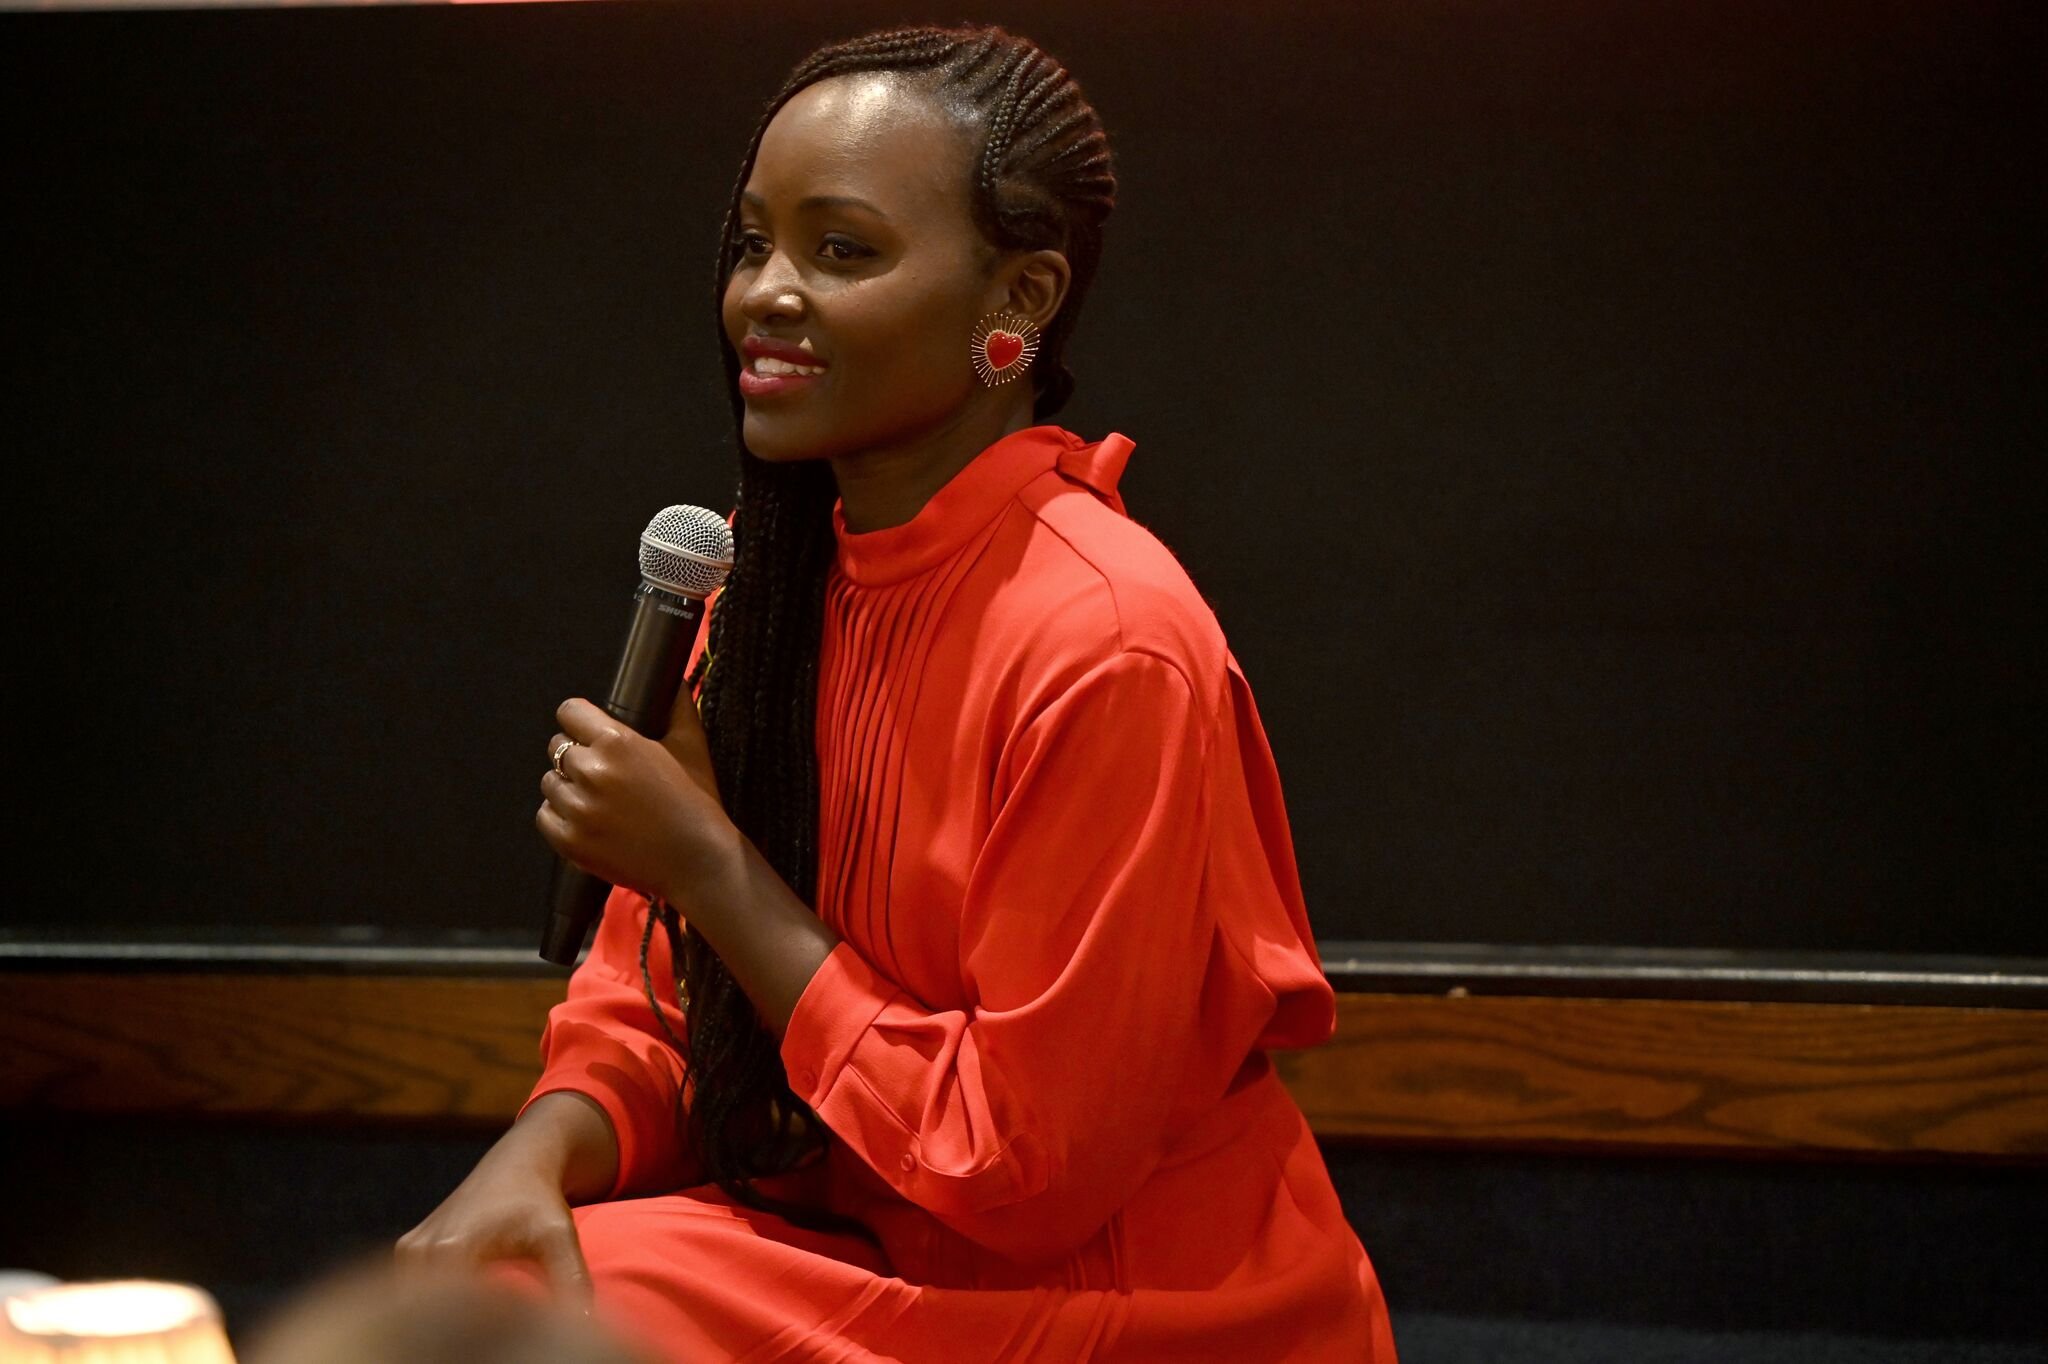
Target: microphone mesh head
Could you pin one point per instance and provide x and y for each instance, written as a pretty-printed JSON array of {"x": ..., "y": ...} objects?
[{"x": 686, "y": 550}]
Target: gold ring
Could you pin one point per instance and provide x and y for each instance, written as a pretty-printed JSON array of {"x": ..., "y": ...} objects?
[{"x": 556, "y": 757}]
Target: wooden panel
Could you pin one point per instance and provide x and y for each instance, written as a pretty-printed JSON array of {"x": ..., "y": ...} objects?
[
  {"x": 274, "y": 1045},
  {"x": 1519, "y": 1072},
  {"x": 1681, "y": 1075}
]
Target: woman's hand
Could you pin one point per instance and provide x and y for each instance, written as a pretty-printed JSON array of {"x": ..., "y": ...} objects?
[
  {"x": 646, "y": 816},
  {"x": 630, "y": 810},
  {"x": 505, "y": 1210}
]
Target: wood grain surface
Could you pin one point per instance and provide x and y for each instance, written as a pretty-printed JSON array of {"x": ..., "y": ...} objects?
[
  {"x": 273, "y": 1045},
  {"x": 1681, "y": 1075},
  {"x": 1502, "y": 1072}
]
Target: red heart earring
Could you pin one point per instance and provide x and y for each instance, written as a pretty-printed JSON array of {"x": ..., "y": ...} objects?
[{"x": 1003, "y": 345}]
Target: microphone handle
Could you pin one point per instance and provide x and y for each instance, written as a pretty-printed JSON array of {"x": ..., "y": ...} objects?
[{"x": 643, "y": 696}]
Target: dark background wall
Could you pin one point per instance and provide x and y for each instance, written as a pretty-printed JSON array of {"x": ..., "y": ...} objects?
[{"x": 1598, "y": 426}]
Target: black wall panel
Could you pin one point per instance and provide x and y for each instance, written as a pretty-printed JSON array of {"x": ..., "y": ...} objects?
[{"x": 1600, "y": 427}]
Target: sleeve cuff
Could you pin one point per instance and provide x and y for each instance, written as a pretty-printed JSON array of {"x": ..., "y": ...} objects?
[
  {"x": 835, "y": 1009},
  {"x": 834, "y": 1019}
]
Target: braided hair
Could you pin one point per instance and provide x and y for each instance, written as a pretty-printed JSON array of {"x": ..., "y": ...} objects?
[{"x": 1044, "y": 179}]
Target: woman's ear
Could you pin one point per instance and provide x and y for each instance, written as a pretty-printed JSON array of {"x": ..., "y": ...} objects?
[{"x": 1037, "y": 285}]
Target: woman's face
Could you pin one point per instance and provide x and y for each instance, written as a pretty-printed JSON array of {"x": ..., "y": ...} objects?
[{"x": 856, "y": 241}]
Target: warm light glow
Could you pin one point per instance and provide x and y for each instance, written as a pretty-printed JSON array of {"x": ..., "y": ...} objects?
[{"x": 133, "y": 1321}]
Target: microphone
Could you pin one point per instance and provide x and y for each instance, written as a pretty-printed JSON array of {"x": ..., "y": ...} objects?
[{"x": 685, "y": 553}]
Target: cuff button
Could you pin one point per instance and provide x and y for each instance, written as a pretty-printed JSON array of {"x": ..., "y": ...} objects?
[{"x": 907, "y": 1161}]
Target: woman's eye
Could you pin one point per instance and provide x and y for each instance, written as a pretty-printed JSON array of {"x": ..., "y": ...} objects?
[{"x": 841, "y": 249}]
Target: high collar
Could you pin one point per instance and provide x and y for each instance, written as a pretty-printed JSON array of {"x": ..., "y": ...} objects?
[{"x": 973, "y": 497}]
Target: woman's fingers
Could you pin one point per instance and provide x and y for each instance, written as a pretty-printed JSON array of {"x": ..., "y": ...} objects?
[
  {"x": 585, "y": 721},
  {"x": 562, "y": 1255},
  {"x": 624, "y": 807},
  {"x": 564, "y": 801},
  {"x": 555, "y": 829},
  {"x": 427, "y": 1246}
]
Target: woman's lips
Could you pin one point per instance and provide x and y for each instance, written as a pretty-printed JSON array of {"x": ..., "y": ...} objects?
[
  {"x": 754, "y": 385},
  {"x": 775, "y": 354}
]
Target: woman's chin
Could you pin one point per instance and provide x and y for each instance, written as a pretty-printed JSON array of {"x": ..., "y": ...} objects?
[{"x": 780, "y": 441}]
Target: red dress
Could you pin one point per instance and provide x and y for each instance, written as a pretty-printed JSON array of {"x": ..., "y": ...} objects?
[{"x": 1052, "y": 836}]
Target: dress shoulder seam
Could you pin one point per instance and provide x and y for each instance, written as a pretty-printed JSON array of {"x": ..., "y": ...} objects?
[{"x": 1116, "y": 605}]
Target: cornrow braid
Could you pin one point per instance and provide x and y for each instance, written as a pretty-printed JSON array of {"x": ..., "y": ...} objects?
[{"x": 1044, "y": 179}]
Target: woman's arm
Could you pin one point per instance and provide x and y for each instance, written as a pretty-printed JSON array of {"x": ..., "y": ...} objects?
[
  {"x": 771, "y": 941},
  {"x": 601, "y": 1120},
  {"x": 608, "y": 1042},
  {"x": 565, "y": 1138}
]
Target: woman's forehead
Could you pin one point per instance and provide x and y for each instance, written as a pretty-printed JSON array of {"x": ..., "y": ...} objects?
[{"x": 866, "y": 136}]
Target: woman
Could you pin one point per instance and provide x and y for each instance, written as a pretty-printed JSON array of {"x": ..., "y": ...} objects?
[{"x": 976, "y": 865}]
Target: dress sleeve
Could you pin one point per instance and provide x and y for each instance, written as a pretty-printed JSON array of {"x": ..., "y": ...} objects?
[
  {"x": 1024, "y": 1120},
  {"x": 602, "y": 1040}
]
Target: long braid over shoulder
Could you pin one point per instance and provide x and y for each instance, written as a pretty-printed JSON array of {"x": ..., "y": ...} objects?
[{"x": 1044, "y": 179}]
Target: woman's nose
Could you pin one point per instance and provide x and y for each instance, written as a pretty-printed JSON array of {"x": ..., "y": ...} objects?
[{"x": 774, "y": 292}]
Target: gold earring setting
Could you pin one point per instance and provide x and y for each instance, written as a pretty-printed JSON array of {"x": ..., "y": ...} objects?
[{"x": 1003, "y": 346}]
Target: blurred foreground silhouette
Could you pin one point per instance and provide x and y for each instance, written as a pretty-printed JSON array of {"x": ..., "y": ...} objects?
[{"x": 372, "y": 1312}]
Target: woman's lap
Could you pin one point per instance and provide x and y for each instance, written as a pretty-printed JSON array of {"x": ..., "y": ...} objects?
[{"x": 697, "y": 1279}]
